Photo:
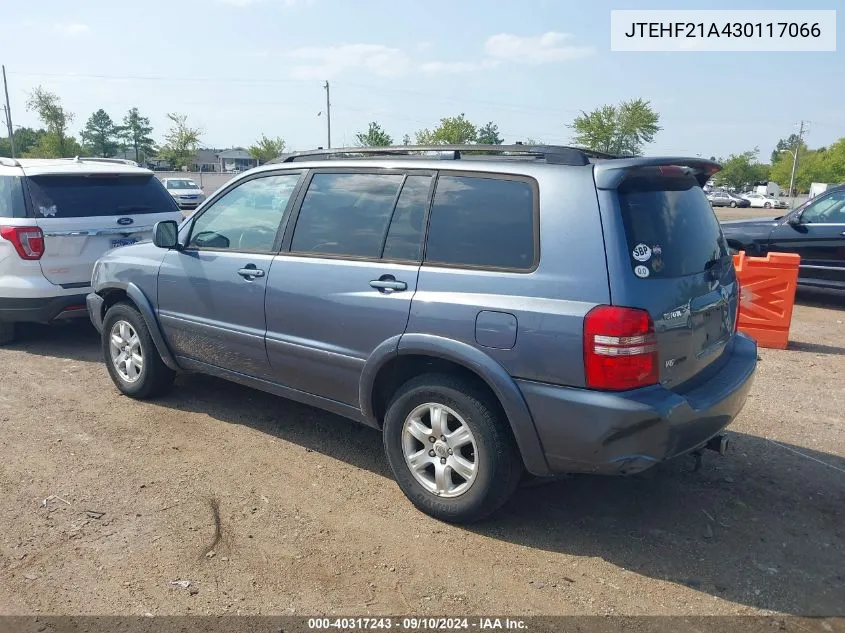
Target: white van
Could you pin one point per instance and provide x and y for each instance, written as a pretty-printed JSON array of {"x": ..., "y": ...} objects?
[{"x": 57, "y": 217}]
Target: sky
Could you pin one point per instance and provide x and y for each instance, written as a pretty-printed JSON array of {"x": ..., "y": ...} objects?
[{"x": 242, "y": 68}]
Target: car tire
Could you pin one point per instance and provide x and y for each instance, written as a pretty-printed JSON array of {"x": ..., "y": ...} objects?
[
  {"x": 733, "y": 204},
  {"x": 7, "y": 332},
  {"x": 768, "y": 205},
  {"x": 491, "y": 449},
  {"x": 141, "y": 380}
]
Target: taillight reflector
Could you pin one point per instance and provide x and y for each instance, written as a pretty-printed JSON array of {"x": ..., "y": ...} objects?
[
  {"x": 27, "y": 240},
  {"x": 620, "y": 349}
]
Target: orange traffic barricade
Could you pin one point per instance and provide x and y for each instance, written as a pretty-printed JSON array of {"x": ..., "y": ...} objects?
[{"x": 768, "y": 294}]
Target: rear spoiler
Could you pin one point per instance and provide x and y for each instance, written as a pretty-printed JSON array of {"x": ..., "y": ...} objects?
[{"x": 609, "y": 174}]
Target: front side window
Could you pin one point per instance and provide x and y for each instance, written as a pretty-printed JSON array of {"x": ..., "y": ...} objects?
[
  {"x": 484, "y": 222},
  {"x": 346, "y": 214},
  {"x": 827, "y": 210},
  {"x": 246, "y": 218}
]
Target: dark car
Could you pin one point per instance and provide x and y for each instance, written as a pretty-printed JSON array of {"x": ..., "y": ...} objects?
[
  {"x": 815, "y": 230},
  {"x": 536, "y": 308},
  {"x": 727, "y": 199}
]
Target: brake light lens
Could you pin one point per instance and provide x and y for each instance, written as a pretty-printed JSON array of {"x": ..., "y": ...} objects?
[
  {"x": 620, "y": 349},
  {"x": 27, "y": 240}
]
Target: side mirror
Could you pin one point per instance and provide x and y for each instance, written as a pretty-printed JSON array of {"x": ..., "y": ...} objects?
[
  {"x": 794, "y": 219},
  {"x": 166, "y": 234}
]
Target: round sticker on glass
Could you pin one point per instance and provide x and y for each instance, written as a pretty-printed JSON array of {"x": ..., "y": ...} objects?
[
  {"x": 642, "y": 272},
  {"x": 641, "y": 252}
]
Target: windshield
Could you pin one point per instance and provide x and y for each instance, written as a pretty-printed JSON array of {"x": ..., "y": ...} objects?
[
  {"x": 670, "y": 227},
  {"x": 97, "y": 195},
  {"x": 181, "y": 184}
]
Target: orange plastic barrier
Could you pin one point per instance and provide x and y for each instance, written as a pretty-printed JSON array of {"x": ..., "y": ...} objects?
[{"x": 768, "y": 294}]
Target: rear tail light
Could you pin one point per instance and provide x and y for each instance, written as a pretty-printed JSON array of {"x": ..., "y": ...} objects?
[
  {"x": 620, "y": 349},
  {"x": 27, "y": 240}
]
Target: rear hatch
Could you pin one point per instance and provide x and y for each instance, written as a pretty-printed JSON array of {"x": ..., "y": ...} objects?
[
  {"x": 84, "y": 215},
  {"x": 667, "y": 255}
]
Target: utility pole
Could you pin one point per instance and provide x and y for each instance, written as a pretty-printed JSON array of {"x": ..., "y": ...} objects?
[
  {"x": 8, "y": 115},
  {"x": 328, "y": 116},
  {"x": 795, "y": 162}
]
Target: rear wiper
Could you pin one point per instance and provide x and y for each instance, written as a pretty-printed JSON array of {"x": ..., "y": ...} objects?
[{"x": 135, "y": 207}]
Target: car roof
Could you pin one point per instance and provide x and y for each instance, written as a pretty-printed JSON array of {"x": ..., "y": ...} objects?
[{"x": 70, "y": 166}]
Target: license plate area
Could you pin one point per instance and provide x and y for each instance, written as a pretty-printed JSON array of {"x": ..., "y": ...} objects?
[{"x": 124, "y": 241}]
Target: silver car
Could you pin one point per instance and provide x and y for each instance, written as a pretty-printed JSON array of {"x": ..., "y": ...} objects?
[{"x": 187, "y": 194}]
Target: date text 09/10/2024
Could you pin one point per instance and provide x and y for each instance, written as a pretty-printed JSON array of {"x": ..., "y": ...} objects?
[{"x": 416, "y": 624}]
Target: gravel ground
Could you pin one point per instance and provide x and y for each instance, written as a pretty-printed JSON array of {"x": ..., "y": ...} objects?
[{"x": 106, "y": 502}]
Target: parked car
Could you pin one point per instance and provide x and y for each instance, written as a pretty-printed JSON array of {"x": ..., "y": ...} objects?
[
  {"x": 760, "y": 201},
  {"x": 727, "y": 199},
  {"x": 57, "y": 217},
  {"x": 489, "y": 314},
  {"x": 187, "y": 194},
  {"x": 815, "y": 230}
]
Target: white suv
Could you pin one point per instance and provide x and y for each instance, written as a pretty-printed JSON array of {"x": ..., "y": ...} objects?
[{"x": 57, "y": 217}]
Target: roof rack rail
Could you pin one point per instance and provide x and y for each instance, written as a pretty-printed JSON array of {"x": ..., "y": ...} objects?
[
  {"x": 9, "y": 162},
  {"x": 555, "y": 154},
  {"x": 96, "y": 159}
]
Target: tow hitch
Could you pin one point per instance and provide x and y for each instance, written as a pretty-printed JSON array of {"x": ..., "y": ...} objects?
[{"x": 718, "y": 443}]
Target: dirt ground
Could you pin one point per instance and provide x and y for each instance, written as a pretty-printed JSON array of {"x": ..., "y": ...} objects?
[{"x": 105, "y": 502}]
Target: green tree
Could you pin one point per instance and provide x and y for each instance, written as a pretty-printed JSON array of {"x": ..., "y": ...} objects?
[
  {"x": 181, "y": 142},
  {"x": 489, "y": 134},
  {"x": 135, "y": 133},
  {"x": 267, "y": 148},
  {"x": 56, "y": 143},
  {"x": 787, "y": 144},
  {"x": 622, "y": 129},
  {"x": 26, "y": 138},
  {"x": 741, "y": 170},
  {"x": 451, "y": 131},
  {"x": 375, "y": 136},
  {"x": 100, "y": 135}
]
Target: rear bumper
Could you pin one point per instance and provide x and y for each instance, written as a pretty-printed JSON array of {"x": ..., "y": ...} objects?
[
  {"x": 42, "y": 309},
  {"x": 585, "y": 431}
]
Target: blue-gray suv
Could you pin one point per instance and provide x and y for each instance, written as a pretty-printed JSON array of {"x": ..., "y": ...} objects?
[{"x": 492, "y": 309}]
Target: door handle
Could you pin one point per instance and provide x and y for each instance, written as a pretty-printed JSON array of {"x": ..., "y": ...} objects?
[
  {"x": 388, "y": 284},
  {"x": 250, "y": 272}
]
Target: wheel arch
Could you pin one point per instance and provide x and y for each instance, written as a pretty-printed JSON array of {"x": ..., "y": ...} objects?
[
  {"x": 114, "y": 293},
  {"x": 401, "y": 358}
]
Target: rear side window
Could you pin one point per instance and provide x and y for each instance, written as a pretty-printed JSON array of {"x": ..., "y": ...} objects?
[
  {"x": 11, "y": 198},
  {"x": 483, "y": 222},
  {"x": 346, "y": 214},
  {"x": 97, "y": 195},
  {"x": 670, "y": 227}
]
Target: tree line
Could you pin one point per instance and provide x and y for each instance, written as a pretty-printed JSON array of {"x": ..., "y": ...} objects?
[{"x": 623, "y": 129}]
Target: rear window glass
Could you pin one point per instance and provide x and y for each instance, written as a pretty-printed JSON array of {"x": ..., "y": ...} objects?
[
  {"x": 11, "y": 198},
  {"x": 670, "y": 227},
  {"x": 88, "y": 196}
]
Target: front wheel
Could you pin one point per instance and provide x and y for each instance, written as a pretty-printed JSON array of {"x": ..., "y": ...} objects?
[
  {"x": 768, "y": 205},
  {"x": 132, "y": 360},
  {"x": 450, "y": 449},
  {"x": 733, "y": 204}
]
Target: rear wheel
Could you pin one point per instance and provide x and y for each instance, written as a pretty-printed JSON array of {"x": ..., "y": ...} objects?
[
  {"x": 450, "y": 449},
  {"x": 7, "y": 332},
  {"x": 131, "y": 357}
]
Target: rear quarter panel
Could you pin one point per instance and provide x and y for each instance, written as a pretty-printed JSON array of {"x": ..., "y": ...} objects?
[{"x": 545, "y": 307}]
